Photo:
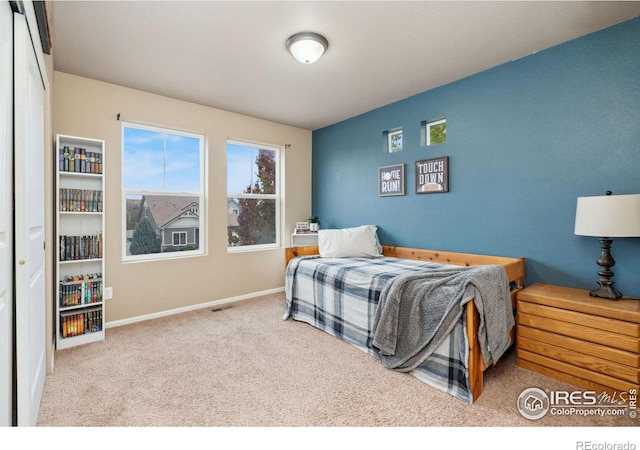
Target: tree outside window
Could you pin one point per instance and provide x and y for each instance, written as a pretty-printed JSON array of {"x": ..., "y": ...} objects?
[
  {"x": 394, "y": 143},
  {"x": 436, "y": 132},
  {"x": 253, "y": 201}
]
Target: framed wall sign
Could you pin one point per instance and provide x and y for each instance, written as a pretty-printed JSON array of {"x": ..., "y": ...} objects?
[
  {"x": 302, "y": 226},
  {"x": 391, "y": 180},
  {"x": 432, "y": 175}
]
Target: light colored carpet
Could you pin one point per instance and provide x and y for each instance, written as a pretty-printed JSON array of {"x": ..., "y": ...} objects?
[{"x": 246, "y": 367}]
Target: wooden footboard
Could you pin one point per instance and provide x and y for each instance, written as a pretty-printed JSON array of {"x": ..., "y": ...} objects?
[{"x": 515, "y": 268}]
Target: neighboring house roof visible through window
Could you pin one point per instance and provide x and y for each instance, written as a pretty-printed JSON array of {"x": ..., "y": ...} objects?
[{"x": 166, "y": 208}]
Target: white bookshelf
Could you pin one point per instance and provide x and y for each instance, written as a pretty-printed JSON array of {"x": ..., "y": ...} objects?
[{"x": 79, "y": 241}]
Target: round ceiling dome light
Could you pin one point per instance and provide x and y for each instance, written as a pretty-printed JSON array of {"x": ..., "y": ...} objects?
[{"x": 307, "y": 47}]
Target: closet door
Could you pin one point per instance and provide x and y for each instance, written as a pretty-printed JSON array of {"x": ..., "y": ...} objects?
[
  {"x": 6, "y": 218},
  {"x": 29, "y": 88}
]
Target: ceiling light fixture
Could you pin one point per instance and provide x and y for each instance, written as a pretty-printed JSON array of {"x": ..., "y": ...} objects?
[{"x": 307, "y": 47}]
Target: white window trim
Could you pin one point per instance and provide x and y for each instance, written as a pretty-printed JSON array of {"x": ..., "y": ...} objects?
[
  {"x": 173, "y": 238},
  {"x": 390, "y": 136},
  {"x": 428, "y": 130},
  {"x": 202, "y": 195},
  {"x": 277, "y": 196}
]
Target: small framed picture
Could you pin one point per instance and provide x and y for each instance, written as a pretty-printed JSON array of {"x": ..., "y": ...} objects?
[
  {"x": 302, "y": 226},
  {"x": 391, "y": 180},
  {"x": 432, "y": 175}
]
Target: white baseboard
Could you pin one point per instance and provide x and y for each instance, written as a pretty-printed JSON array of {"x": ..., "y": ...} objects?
[{"x": 117, "y": 323}]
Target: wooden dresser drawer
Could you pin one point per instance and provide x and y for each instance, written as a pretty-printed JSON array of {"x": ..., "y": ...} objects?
[
  {"x": 569, "y": 373},
  {"x": 585, "y": 341},
  {"x": 626, "y": 358},
  {"x": 581, "y": 332},
  {"x": 584, "y": 319},
  {"x": 580, "y": 359}
]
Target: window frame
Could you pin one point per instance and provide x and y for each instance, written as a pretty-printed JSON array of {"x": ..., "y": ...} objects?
[
  {"x": 178, "y": 233},
  {"x": 428, "y": 126},
  {"x": 277, "y": 197},
  {"x": 390, "y": 136},
  {"x": 201, "y": 195}
]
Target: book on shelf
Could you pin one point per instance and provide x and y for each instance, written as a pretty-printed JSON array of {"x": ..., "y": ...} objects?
[
  {"x": 78, "y": 248},
  {"x": 76, "y": 323},
  {"x": 80, "y": 200},
  {"x": 83, "y": 289},
  {"x": 298, "y": 231},
  {"x": 79, "y": 160}
]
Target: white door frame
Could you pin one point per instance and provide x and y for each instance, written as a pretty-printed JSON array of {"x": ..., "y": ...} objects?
[
  {"x": 6, "y": 215},
  {"x": 30, "y": 82}
]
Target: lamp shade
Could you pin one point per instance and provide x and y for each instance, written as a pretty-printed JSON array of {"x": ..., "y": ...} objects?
[
  {"x": 307, "y": 47},
  {"x": 609, "y": 216}
]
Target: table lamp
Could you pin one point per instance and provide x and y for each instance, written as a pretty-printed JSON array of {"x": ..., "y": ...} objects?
[{"x": 607, "y": 217}]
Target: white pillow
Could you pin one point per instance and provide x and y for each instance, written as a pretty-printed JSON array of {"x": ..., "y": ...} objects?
[{"x": 353, "y": 242}]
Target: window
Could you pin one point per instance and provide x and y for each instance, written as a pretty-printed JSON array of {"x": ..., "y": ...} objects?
[
  {"x": 179, "y": 238},
  {"x": 162, "y": 192},
  {"x": 253, "y": 196},
  {"x": 436, "y": 132},
  {"x": 394, "y": 141}
]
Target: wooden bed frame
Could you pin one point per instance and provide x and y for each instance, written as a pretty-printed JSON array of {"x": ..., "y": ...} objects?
[{"x": 515, "y": 268}]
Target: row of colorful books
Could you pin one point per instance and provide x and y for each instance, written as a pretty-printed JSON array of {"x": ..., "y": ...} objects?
[
  {"x": 80, "y": 200},
  {"x": 76, "y": 323},
  {"x": 73, "y": 248},
  {"x": 79, "y": 160},
  {"x": 80, "y": 289}
]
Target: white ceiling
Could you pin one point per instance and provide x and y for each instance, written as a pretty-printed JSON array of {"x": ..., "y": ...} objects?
[{"x": 231, "y": 54}]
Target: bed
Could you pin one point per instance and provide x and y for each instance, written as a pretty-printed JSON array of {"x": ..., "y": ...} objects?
[{"x": 349, "y": 295}]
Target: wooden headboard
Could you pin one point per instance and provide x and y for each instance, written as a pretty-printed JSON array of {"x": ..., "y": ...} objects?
[{"x": 515, "y": 267}]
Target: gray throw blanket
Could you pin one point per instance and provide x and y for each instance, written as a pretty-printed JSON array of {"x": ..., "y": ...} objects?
[{"x": 417, "y": 311}]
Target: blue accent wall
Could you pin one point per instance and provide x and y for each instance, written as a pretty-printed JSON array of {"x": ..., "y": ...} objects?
[{"x": 524, "y": 141}]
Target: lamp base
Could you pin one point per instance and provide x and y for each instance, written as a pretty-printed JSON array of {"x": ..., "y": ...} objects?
[
  {"x": 605, "y": 290},
  {"x": 606, "y": 262}
]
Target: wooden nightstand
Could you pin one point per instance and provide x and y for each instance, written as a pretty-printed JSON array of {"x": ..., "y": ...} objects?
[{"x": 589, "y": 342}]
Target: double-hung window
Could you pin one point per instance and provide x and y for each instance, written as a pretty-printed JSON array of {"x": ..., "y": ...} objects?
[
  {"x": 179, "y": 238},
  {"x": 253, "y": 196},
  {"x": 163, "y": 181}
]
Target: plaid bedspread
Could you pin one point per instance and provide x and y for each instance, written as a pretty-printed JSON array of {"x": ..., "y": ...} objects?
[{"x": 340, "y": 297}]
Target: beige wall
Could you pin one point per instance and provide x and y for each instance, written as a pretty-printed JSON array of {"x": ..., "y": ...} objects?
[{"x": 89, "y": 108}]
